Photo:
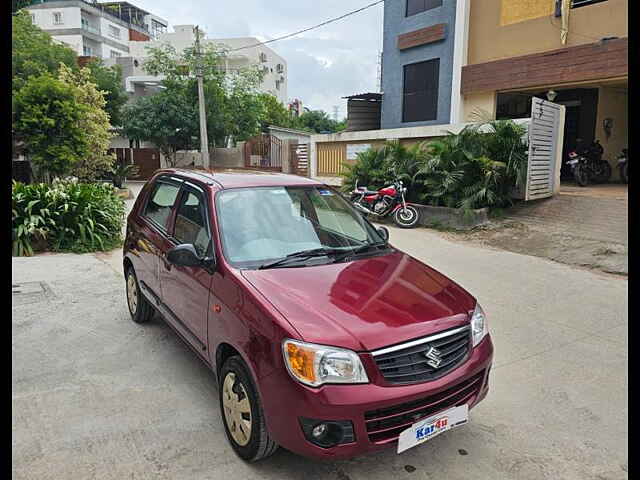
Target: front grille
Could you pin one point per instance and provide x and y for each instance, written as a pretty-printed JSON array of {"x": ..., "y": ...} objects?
[
  {"x": 385, "y": 424},
  {"x": 410, "y": 364}
]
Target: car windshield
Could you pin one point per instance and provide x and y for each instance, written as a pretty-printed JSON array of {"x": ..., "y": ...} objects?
[{"x": 264, "y": 224}]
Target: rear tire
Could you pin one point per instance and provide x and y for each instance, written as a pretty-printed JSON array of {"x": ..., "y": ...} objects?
[
  {"x": 406, "y": 217},
  {"x": 140, "y": 309},
  {"x": 581, "y": 176},
  {"x": 246, "y": 428}
]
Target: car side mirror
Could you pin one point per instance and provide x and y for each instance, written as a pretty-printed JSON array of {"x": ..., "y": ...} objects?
[
  {"x": 384, "y": 233},
  {"x": 184, "y": 255}
]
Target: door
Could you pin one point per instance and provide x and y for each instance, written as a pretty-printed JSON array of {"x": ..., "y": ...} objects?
[
  {"x": 185, "y": 290},
  {"x": 153, "y": 233},
  {"x": 546, "y": 133},
  {"x": 571, "y": 135}
]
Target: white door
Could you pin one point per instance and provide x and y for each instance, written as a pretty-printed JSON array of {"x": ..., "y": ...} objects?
[{"x": 546, "y": 133}]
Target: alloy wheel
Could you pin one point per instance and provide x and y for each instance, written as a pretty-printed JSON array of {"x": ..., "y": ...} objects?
[
  {"x": 237, "y": 409},
  {"x": 132, "y": 293}
]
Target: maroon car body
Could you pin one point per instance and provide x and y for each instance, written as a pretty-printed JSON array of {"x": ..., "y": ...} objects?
[{"x": 363, "y": 305}]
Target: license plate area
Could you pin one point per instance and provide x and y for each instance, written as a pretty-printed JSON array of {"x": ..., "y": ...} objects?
[{"x": 431, "y": 427}]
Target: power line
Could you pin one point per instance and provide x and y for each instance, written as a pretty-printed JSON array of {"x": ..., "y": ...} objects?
[{"x": 310, "y": 28}]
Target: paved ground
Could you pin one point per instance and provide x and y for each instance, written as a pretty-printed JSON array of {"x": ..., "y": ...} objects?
[
  {"x": 586, "y": 227},
  {"x": 97, "y": 396}
]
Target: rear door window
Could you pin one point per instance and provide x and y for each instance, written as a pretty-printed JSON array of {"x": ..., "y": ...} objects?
[{"x": 161, "y": 201}]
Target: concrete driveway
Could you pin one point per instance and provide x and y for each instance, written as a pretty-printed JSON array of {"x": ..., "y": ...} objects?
[{"x": 97, "y": 396}]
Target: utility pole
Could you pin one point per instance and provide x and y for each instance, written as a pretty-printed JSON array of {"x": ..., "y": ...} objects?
[{"x": 204, "y": 140}]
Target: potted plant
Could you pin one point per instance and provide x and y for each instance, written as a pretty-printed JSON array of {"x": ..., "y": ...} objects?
[{"x": 122, "y": 171}]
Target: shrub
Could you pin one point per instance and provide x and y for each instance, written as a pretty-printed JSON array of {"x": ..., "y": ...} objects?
[
  {"x": 65, "y": 216},
  {"x": 476, "y": 168}
]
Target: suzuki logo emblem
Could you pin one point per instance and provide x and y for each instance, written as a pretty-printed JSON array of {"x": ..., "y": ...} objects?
[{"x": 433, "y": 354}]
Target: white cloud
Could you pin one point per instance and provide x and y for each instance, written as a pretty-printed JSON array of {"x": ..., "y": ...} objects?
[{"x": 324, "y": 65}]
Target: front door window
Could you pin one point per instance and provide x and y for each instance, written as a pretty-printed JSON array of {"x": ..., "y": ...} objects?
[{"x": 191, "y": 224}]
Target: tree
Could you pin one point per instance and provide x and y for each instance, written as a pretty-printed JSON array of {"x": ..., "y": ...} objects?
[
  {"x": 274, "y": 113},
  {"x": 47, "y": 118},
  {"x": 94, "y": 124},
  {"x": 34, "y": 52},
  {"x": 169, "y": 119},
  {"x": 231, "y": 99},
  {"x": 109, "y": 80},
  {"x": 19, "y": 4},
  {"x": 318, "y": 121}
]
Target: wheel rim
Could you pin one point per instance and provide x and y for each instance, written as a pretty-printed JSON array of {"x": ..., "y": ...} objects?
[
  {"x": 406, "y": 215},
  {"x": 237, "y": 409},
  {"x": 132, "y": 294}
]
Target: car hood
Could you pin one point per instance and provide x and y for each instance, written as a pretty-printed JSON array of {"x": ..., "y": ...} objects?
[{"x": 367, "y": 303}]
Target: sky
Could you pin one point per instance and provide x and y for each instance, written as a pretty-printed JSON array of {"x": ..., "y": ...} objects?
[{"x": 324, "y": 65}]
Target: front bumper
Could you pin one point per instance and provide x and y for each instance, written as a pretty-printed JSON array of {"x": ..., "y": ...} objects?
[{"x": 378, "y": 413}]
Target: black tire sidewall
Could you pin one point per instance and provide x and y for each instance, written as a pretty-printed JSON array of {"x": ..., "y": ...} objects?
[
  {"x": 236, "y": 365},
  {"x": 396, "y": 217},
  {"x": 580, "y": 176}
]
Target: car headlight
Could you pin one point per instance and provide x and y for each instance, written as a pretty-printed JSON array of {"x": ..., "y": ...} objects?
[
  {"x": 479, "y": 327},
  {"x": 315, "y": 365}
]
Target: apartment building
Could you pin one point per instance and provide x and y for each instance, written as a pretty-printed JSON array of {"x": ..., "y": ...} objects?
[
  {"x": 576, "y": 56},
  {"x": 423, "y": 44},
  {"x": 95, "y": 29},
  {"x": 241, "y": 52}
]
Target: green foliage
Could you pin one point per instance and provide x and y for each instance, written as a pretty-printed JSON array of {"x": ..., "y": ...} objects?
[
  {"x": 94, "y": 124},
  {"x": 274, "y": 113},
  {"x": 318, "y": 121},
  {"x": 122, "y": 171},
  {"x": 19, "y": 4},
  {"x": 475, "y": 168},
  {"x": 169, "y": 119},
  {"x": 34, "y": 52},
  {"x": 48, "y": 119},
  {"x": 109, "y": 81},
  {"x": 232, "y": 101},
  {"x": 65, "y": 216}
]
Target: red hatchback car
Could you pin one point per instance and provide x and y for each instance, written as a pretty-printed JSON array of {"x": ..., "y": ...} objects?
[{"x": 324, "y": 338}]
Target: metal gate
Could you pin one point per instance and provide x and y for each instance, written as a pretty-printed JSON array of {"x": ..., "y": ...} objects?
[
  {"x": 299, "y": 155},
  {"x": 263, "y": 152},
  {"x": 546, "y": 132}
]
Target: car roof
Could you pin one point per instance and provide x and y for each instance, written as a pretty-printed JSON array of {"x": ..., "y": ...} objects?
[{"x": 224, "y": 179}]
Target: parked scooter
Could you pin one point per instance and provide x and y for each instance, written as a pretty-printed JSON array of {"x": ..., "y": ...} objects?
[
  {"x": 386, "y": 201},
  {"x": 623, "y": 165},
  {"x": 587, "y": 165}
]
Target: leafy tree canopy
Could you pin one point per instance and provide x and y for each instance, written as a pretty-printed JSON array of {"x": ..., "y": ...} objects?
[
  {"x": 34, "y": 52},
  {"x": 318, "y": 121},
  {"x": 109, "y": 80}
]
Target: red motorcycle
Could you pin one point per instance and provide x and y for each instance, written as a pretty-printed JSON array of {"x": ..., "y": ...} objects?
[{"x": 386, "y": 201}]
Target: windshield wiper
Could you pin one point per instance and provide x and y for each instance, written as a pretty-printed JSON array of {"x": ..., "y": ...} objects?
[
  {"x": 314, "y": 252},
  {"x": 361, "y": 249}
]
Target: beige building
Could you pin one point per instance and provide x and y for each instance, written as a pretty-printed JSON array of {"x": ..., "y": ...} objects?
[{"x": 523, "y": 48}]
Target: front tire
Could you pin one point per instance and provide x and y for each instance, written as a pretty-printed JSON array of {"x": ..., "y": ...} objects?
[
  {"x": 406, "y": 217},
  {"x": 140, "y": 309},
  {"x": 242, "y": 413},
  {"x": 581, "y": 176}
]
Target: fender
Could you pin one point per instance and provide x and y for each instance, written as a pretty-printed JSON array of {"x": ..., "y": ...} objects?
[{"x": 399, "y": 205}]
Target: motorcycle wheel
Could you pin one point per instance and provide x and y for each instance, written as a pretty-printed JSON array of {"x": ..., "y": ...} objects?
[
  {"x": 581, "y": 176},
  {"x": 624, "y": 173},
  {"x": 604, "y": 173},
  {"x": 406, "y": 217}
]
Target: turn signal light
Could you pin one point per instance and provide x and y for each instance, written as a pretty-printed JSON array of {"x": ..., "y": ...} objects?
[{"x": 301, "y": 362}]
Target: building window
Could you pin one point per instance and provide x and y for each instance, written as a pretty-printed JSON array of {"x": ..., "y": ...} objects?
[
  {"x": 420, "y": 102},
  {"x": 57, "y": 18},
  {"x": 263, "y": 57},
  {"x": 114, "y": 32},
  {"x": 418, "y": 6},
  {"x": 157, "y": 28},
  {"x": 115, "y": 54},
  {"x": 87, "y": 51},
  {"x": 280, "y": 68},
  {"x": 33, "y": 18}
]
